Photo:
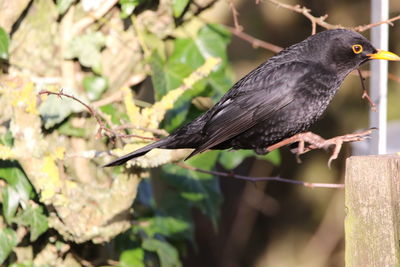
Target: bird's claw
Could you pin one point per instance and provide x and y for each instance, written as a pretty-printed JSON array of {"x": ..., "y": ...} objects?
[{"x": 316, "y": 142}]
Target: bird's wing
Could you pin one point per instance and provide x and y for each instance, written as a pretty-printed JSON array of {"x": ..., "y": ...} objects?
[{"x": 253, "y": 102}]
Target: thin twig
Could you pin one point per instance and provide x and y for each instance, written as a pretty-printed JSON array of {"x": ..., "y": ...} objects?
[
  {"x": 93, "y": 16},
  {"x": 103, "y": 129},
  {"x": 363, "y": 28},
  {"x": 258, "y": 179},
  {"x": 235, "y": 15},
  {"x": 321, "y": 20},
  {"x": 254, "y": 41},
  {"x": 365, "y": 93}
]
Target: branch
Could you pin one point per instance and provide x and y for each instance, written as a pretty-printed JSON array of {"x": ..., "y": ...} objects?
[
  {"x": 321, "y": 20},
  {"x": 85, "y": 22},
  {"x": 103, "y": 130},
  {"x": 365, "y": 93},
  {"x": 258, "y": 179},
  {"x": 363, "y": 28},
  {"x": 254, "y": 41},
  {"x": 235, "y": 15}
]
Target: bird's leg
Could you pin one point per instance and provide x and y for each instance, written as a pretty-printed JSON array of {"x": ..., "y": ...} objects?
[{"x": 316, "y": 141}]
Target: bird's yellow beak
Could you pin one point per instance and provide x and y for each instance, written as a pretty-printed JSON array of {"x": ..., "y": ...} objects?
[{"x": 386, "y": 55}]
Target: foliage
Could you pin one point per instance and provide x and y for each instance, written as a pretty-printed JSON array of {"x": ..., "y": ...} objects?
[{"x": 54, "y": 193}]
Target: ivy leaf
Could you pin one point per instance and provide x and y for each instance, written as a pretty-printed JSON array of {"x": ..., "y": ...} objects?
[
  {"x": 7, "y": 139},
  {"x": 8, "y": 240},
  {"x": 35, "y": 219},
  {"x": 166, "y": 226},
  {"x": 128, "y": 6},
  {"x": 4, "y": 44},
  {"x": 230, "y": 159},
  {"x": 178, "y": 6},
  {"x": 200, "y": 189},
  {"x": 166, "y": 76},
  {"x": 18, "y": 191},
  {"x": 274, "y": 157},
  {"x": 63, "y": 5},
  {"x": 87, "y": 49},
  {"x": 94, "y": 86},
  {"x": 132, "y": 257},
  {"x": 11, "y": 200},
  {"x": 167, "y": 254}
]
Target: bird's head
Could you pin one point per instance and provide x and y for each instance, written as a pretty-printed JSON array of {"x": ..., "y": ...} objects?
[{"x": 343, "y": 50}]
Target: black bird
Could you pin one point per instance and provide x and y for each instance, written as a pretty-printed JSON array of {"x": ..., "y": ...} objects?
[{"x": 282, "y": 97}]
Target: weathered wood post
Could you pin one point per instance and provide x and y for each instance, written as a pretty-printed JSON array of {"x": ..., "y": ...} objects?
[{"x": 372, "y": 199}]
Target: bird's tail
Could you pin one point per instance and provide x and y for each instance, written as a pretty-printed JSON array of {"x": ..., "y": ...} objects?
[{"x": 137, "y": 153}]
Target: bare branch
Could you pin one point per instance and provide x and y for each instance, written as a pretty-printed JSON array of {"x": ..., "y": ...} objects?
[
  {"x": 365, "y": 93},
  {"x": 103, "y": 129},
  {"x": 92, "y": 17},
  {"x": 235, "y": 15},
  {"x": 258, "y": 179},
  {"x": 363, "y": 28},
  {"x": 254, "y": 41}
]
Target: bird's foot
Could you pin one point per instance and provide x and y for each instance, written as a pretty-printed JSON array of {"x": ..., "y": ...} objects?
[{"x": 315, "y": 141}]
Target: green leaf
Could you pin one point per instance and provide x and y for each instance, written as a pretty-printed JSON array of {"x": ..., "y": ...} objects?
[
  {"x": 178, "y": 6},
  {"x": 94, "y": 86},
  {"x": 35, "y": 219},
  {"x": 11, "y": 200},
  {"x": 55, "y": 109},
  {"x": 63, "y": 5},
  {"x": 199, "y": 189},
  {"x": 18, "y": 188},
  {"x": 7, "y": 139},
  {"x": 128, "y": 6},
  {"x": 274, "y": 157},
  {"x": 4, "y": 44},
  {"x": 167, "y": 254},
  {"x": 87, "y": 49},
  {"x": 166, "y": 76},
  {"x": 166, "y": 226},
  {"x": 230, "y": 159},
  {"x": 25, "y": 264},
  {"x": 8, "y": 240},
  {"x": 132, "y": 257}
]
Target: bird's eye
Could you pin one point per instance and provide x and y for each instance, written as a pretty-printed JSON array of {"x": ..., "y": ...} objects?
[{"x": 357, "y": 48}]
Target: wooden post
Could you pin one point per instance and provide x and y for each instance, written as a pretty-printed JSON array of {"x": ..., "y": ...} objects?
[{"x": 372, "y": 199}]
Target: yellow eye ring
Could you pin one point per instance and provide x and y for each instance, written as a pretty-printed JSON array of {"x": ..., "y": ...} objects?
[{"x": 357, "y": 48}]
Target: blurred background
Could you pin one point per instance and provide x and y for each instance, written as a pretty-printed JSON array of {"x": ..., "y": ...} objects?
[{"x": 129, "y": 56}]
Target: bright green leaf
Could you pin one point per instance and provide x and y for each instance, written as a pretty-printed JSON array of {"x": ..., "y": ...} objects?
[
  {"x": 166, "y": 226},
  {"x": 35, "y": 219},
  {"x": 128, "y": 6},
  {"x": 87, "y": 49},
  {"x": 167, "y": 254},
  {"x": 11, "y": 200},
  {"x": 4, "y": 44},
  {"x": 8, "y": 240},
  {"x": 18, "y": 183},
  {"x": 178, "y": 6},
  {"x": 94, "y": 86},
  {"x": 132, "y": 257},
  {"x": 230, "y": 159},
  {"x": 63, "y": 5},
  {"x": 274, "y": 157}
]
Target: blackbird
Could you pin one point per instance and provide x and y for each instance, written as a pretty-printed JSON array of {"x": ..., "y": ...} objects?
[{"x": 279, "y": 99}]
